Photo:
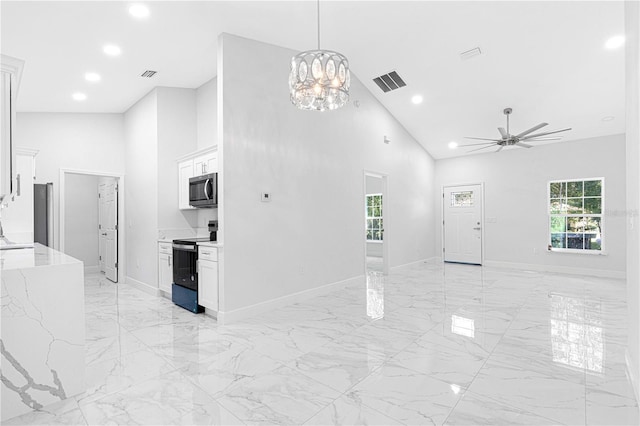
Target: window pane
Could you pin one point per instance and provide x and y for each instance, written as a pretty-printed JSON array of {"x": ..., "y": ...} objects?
[
  {"x": 369, "y": 200},
  {"x": 593, "y": 205},
  {"x": 558, "y": 205},
  {"x": 558, "y": 224},
  {"x": 592, "y": 224},
  {"x": 462, "y": 199},
  {"x": 369, "y": 223},
  {"x": 369, "y": 211},
  {"x": 369, "y": 235},
  {"x": 377, "y": 235},
  {"x": 375, "y": 224},
  {"x": 377, "y": 212},
  {"x": 575, "y": 224},
  {"x": 557, "y": 189},
  {"x": 593, "y": 188},
  {"x": 574, "y": 206},
  {"x": 592, "y": 242},
  {"x": 558, "y": 240},
  {"x": 574, "y": 189},
  {"x": 575, "y": 241}
]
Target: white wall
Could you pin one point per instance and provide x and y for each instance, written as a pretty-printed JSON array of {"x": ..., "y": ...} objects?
[
  {"x": 632, "y": 24},
  {"x": 207, "y": 116},
  {"x": 141, "y": 190},
  {"x": 312, "y": 163},
  {"x": 81, "y": 218},
  {"x": 177, "y": 135},
  {"x": 516, "y": 183},
  {"x": 92, "y": 142}
]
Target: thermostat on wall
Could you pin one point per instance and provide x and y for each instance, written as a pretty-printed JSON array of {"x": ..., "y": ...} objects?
[{"x": 266, "y": 197}]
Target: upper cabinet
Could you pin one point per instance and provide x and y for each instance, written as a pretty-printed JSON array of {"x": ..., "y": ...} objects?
[
  {"x": 195, "y": 164},
  {"x": 11, "y": 71}
]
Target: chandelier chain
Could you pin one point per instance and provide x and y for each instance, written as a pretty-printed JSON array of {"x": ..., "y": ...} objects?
[{"x": 318, "y": 14}]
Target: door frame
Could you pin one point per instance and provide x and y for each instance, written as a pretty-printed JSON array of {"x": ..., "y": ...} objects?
[
  {"x": 120, "y": 219},
  {"x": 385, "y": 216},
  {"x": 482, "y": 221}
]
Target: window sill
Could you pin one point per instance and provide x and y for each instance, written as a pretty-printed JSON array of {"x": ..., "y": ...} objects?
[
  {"x": 375, "y": 241},
  {"x": 574, "y": 251}
]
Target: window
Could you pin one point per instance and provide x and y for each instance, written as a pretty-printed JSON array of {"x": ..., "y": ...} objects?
[
  {"x": 575, "y": 215},
  {"x": 374, "y": 217},
  {"x": 462, "y": 199}
]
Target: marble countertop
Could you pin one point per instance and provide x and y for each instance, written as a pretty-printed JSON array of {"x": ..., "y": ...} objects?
[{"x": 35, "y": 257}]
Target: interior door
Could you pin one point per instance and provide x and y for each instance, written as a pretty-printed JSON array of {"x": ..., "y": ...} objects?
[
  {"x": 462, "y": 224},
  {"x": 102, "y": 235},
  {"x": 111, "y": 231}
]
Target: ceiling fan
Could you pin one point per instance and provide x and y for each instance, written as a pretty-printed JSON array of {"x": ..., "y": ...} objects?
[{"x": 507, "y": 139}]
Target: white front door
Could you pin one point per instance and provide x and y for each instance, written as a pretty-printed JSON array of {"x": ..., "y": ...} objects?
[
  {"x": 102, "y": 235},
  {"x": 111, "y": 231},
  {"x": 462, "y": 225}
]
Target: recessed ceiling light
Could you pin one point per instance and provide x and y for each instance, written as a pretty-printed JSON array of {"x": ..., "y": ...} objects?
[
  {"x": 111, "y": 50},
  {"x": 79, "y": 96},
  {"x": 417, "y": 99},
  {"x": 614, "y": 42},
  {"x": 139, "y": 11},
  {"x": 453, "y": 145},
  {"x": 92, "y": 76},
  {"x": 608, "y": 118}
]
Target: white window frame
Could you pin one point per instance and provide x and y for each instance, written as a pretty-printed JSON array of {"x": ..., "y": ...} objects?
[
  {"x": 367, "y": 217},
  {"x": 601, "y": 215}
]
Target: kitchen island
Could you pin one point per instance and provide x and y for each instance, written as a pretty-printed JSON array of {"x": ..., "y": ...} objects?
[{"x": 42, "y": 334}]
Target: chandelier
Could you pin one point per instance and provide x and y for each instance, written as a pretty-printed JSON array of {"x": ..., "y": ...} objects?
[{"x": 319, "y": 79}]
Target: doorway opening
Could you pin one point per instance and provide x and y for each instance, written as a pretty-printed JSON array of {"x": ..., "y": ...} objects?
[
  {"x": 90, "y": 211},
  {"x": 376, "y": 220},
  {"x": 462, "y": 231}
]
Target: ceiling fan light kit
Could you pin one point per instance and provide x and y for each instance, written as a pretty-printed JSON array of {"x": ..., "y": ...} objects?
[{"x": 507, "y": 139}]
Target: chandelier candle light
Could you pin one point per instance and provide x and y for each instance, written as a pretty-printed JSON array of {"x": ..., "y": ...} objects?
[{"x": 319, "y": 79}]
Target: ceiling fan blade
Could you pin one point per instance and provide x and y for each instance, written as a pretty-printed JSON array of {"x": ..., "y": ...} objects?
[
  {"x": 503, "y": 133},
  {"x": 524, "y": 145},
  {"x": 543, "y": 139},
  {"x": 544, "y": 134},
  {"x": 476, "y": 144},
  {"x": 483, "y": 139},
  {"x": 533, "y": 129},
  {"x": 500, "y": 148},
  {"x": 478, "y": 149}
]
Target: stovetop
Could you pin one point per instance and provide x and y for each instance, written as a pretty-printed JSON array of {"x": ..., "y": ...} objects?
[{"x": 191, "y": 240}]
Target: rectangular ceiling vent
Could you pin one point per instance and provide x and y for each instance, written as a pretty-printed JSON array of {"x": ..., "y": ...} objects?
[
  {"x": 389, "y": 82},
  {"x": 148, "y": 73},
  {"x": 470, "y": 53}
]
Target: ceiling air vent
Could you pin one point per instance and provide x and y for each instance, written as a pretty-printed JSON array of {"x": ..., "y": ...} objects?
[
  {"x": 389, "y": 82},
  {"x": 148, "y": 73}
]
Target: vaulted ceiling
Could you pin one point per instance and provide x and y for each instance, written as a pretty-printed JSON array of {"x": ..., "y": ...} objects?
[{"x": 545, "y": 59}]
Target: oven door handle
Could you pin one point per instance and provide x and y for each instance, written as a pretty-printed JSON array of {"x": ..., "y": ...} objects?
[
  {"x": 184, "y": 247},
  {"x": 206, "y": 185}
]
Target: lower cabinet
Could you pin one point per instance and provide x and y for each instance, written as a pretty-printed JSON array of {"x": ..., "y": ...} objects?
[
  {"x": 208, "y": 277},
  {"x": 165, "y": 267}
]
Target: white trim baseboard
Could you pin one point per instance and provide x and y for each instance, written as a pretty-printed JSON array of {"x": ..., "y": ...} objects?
[
  {"x": 142, "y": 286},
  {"x": 632, "y": 372},
  {"x": 269, "y": 305},
  {"x": 602, "y": 273}
]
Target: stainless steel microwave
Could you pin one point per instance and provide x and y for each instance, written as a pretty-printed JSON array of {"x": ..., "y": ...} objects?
[{"x": 203, "y": 190}]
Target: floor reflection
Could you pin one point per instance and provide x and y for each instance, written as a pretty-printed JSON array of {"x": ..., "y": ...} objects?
[
  {"x": 375, "y": 294},
  {"x": 576, "y": 333},
  {"x": 463, "y": 326}
]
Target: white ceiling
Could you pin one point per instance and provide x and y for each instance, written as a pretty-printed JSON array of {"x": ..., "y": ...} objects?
[{"x": 546, "y": 60}]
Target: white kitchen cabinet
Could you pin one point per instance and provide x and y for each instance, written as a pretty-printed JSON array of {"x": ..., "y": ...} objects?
[
  {"x": 208, "y": 277},
  {"x": 206, "y": 163},
  {"x": 17, "y": 216},
  {"x": 185, "y": 171},
  {"x": 165, "y": 267},
  {"x": 10, "y": 73},
  {"x": 195, "y": 164}
]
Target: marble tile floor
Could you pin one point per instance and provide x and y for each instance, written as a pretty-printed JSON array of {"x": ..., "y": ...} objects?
[{"x": 429, "y": 344}]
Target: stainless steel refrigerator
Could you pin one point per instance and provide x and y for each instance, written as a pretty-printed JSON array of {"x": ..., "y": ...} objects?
[{"x": 43, "y": 213}]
